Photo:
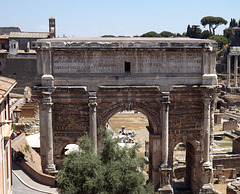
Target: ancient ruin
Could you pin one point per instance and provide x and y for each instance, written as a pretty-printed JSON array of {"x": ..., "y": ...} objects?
[{"x": 82, "y": 82}]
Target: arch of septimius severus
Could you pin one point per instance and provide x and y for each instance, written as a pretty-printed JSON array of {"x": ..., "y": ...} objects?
[{"x": 81, "y": 83}]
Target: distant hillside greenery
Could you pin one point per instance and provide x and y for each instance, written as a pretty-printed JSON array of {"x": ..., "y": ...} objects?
[{"x": 195, "y": 31}]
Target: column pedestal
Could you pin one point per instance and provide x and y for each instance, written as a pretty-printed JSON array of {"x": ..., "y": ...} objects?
[
  {"x": 207, "y": 185},
  {"x": 165, "y": 186}
]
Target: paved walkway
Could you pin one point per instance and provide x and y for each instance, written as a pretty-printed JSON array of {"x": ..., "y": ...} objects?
[{"x": 27, "y": 184}]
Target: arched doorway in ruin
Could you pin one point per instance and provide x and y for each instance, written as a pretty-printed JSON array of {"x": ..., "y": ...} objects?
[
  {"x": 131, "y": 128},
  {"x": 184, "y": 160},
  {"x": 153, "y": 128}
]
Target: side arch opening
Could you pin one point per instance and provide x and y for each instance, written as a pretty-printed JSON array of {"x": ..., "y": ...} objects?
[{"x": 183, "y": 167}]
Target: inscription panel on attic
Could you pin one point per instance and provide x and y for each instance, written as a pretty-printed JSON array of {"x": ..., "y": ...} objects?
[{"x": 148, "y": 61}]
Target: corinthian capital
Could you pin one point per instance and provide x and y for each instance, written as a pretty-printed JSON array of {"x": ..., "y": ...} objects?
[
  {"x": 92, "y": 100},
  {"x": 207, "y": 99},
  {"x": 166, "y": 98},
  {"x": 47, "y": 98}
]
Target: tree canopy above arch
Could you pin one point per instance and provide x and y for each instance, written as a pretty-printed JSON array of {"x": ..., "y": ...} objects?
[{"x": 213, "y": 22}]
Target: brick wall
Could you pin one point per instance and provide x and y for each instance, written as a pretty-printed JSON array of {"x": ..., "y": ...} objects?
[
  {"x": 230, "y": 125},
  {"x": 236, "y": 146},
  {"x": 21, "y": 69}
]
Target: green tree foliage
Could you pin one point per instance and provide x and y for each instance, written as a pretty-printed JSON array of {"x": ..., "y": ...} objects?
[
  {"x": 150, "y": 34},
  {"x": 221, "y": 40},
  {"x": 194, "y": 31},
  {"x": 108, "y": 36},
  {"x": 228, "y": 32},
  {"x": 233, "y": 23},
  {"x": 167, "y": 34},
  {"x": 205, "y": 34},
  {"x": 213, "y": 22},
  {"x": 114, "y": 169}
]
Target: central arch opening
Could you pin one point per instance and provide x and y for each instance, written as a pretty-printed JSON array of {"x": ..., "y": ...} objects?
[{"x": 131, "y": 128}]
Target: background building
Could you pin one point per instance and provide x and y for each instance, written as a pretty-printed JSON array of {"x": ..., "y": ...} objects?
[{"x": 17, "y": 59}]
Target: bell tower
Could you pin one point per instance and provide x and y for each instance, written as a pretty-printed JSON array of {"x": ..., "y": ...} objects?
[{"x": 52, "y": 29}]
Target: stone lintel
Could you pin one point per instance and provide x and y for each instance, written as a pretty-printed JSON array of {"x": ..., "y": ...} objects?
[
  {"x": 125, "y": 43},
  {"x": 72, "y": 87},
  {"x": 130, "y": 87}
]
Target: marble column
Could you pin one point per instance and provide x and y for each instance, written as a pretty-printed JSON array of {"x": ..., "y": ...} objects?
[
  {"x": 228, "y": 70},
  {"x": 206, "y": 129},
  {"x": 165, "y": 169},
  {"x": 165, "y": 128},
  {"x": 213, "y": 103},
  {"x": 46, "y": 134},
  {"x": 235, "y": 70},
  {"x": 207, "y": 171},
  {"x": 93, "y": 119}
]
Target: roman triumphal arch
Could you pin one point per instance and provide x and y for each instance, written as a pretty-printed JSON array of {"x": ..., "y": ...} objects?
[{"x": 82, "y": 82}]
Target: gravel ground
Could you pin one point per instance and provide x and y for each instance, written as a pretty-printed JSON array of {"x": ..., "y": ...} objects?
[{"x": 132, "y": 121}]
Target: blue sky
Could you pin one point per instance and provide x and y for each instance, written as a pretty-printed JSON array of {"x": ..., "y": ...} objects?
[{"x": 94, "y": 18}]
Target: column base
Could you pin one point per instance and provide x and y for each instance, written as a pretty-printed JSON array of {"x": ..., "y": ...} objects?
[
  {"x": 207, "y": 165},
  {"x": 207, "y": 176},
  {"x": 165, "y": 189},
  {"x": 207, "y": 189},
  {"x": 51, "y": 169}
]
